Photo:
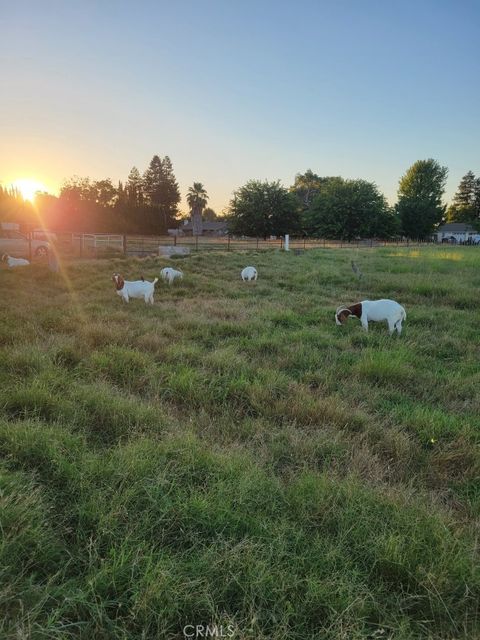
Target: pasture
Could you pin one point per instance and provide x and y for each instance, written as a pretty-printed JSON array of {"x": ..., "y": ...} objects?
[{"x": 230, "y": 456}]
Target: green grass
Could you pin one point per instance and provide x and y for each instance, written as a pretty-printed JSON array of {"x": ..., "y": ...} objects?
[{"x": 230, "y": 456}]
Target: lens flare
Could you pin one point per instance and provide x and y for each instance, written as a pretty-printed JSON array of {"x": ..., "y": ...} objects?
[{"x": 28, "y": 188}]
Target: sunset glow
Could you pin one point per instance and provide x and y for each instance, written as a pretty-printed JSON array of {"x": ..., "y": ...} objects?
[{"x": 28, "y": 188}]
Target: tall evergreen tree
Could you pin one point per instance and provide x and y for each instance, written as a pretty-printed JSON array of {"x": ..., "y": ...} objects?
[
  {"x": 161, "y": 189},
  {"x": 134, "y": 188},
  {"x": 463, "y": 207},
  {"x": 171, "y": 196},
  {"x": 420, "y": 193},
  {"x": 476, "y": 200},
  {"x": 465, "y": 195},
  {"x": 153, "y": 180},
  {"x": 121, "y": 199}
]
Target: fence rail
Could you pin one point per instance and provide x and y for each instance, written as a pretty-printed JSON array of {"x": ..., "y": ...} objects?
[{"x": 89, "y": 245}]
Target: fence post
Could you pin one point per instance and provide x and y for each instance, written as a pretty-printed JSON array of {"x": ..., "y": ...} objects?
[
  {"x": 281, "y": 242},
  {"x": 196, "y": 242},
  {"x": 228, "y": 243},
  {"x": 30, "y": 246},
  {"x": 257, "y": 242},
  {"x": 175, "y": 240},
  {"x": 304, "y": 243},
  {"x": 81, "y": 245},
  {"x": 124, "y": 240}
]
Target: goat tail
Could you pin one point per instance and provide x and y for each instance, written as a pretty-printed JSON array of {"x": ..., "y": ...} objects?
[{"x": 155, "y": 281}]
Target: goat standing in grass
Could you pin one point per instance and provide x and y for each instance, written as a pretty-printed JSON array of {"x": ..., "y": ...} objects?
[
  {"x": 374, "y": 311},
  {"x": 169, "y": 274},
  {"x": 127, "y": 289}
]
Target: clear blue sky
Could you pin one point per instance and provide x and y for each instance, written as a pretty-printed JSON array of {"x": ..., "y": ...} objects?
[{"x": 239, "y": 90}]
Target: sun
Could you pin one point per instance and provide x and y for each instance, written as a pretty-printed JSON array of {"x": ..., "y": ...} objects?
[{"x": 28, "y": 188}]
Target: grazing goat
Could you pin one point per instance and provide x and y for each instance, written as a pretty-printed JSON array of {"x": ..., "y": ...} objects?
[
  {"x": 249, "y": 273},
  {"x": 374, "y": 311},
  {"x": 14, "y": 262},
  {"x": 169, "y": 274},
  {"x": 127, "y": 289}
]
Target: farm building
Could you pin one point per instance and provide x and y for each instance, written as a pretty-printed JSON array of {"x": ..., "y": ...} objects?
[
  {"x": 215, "y": 228},
  {"x": 457, "y": 232}
]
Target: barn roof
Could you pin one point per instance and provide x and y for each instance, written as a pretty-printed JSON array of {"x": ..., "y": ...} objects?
[{"x": 456, "y": 227}]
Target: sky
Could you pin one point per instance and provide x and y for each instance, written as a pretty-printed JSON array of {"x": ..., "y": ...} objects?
[{"x": 233, "y": 91}]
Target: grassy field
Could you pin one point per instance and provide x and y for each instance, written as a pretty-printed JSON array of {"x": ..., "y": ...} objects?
[{"x": 230, "y": 456}]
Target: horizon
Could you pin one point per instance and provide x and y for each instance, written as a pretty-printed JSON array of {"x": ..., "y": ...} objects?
[{"x": 361, "y": 92}]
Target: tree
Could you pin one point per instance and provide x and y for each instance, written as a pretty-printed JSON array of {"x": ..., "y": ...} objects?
[
  {"x": 13, "y": 207},
  {"x": 76, "y": 189},
  {"x": 306, "y": 186},
  {"x": 209, "y": 215},
  {"x": 161, "y": 189},
  {"x": 349, "y": 209},
  {"x": 103, "y": 192},
  {"x": 477, "y": 201},
  {"x": 465, "y": 194},
  {"x": 153, "y": 181},
  {"x": 420, "y": 195},
  {"x": 466, "y": 202},
  {"x": 197, "y": 198},
  {"x": 263, "y": 209},
  {"x": 134, "y": 188},
  {"x": 171, "y": 192}
]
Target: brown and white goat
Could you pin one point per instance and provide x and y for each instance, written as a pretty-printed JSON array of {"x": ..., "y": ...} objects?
[{"x": 374, "y": 311}]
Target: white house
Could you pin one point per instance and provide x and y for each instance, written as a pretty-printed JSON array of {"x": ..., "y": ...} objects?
[{"x": 457, "y": 232}]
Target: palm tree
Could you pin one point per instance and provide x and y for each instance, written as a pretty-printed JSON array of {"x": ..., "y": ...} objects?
[{"x": 197, "y": 198}]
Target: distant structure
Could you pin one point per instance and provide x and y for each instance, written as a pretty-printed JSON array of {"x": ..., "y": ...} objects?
[
  {"x": 215, "y": 228},
  {"x": 457, "y": 232}
]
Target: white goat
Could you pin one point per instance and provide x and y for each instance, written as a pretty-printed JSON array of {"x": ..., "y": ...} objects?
[
  {"x": 14, "y": 262},
  {"x": 249, "y": 273},
  {"x": 169, "y": 274},
  {"x": 127, "y": 289},
  {"x": 374, "y": 311}
]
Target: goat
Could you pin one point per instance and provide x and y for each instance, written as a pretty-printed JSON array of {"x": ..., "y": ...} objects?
[
  {"x": 249, "y": 273},
  {"x": 14, "y": 262},
  {"x": 374, "y": 311},
  {"x": 169, "y": 274},
  {"x": 127, "y": 289}
]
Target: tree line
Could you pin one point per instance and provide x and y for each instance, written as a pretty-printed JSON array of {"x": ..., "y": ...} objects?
[{"x": 330, "y": 207}]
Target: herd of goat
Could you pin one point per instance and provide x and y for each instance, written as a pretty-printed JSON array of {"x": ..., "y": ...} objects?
[{"x": 366, "y": 311}]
